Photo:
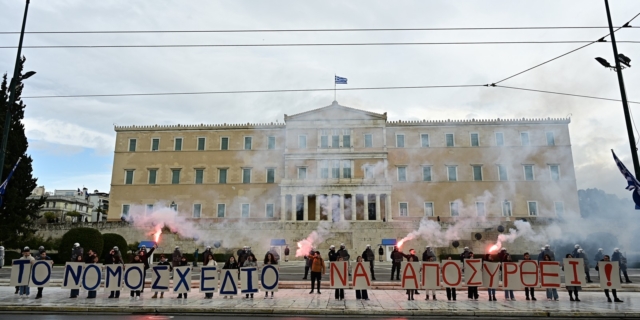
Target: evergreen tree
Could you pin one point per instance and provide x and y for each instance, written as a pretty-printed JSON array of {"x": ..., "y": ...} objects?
[{"x": 17, "y": 213}]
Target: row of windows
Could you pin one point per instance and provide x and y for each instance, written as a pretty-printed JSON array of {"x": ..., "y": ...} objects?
[
  {"x": 196, "y": 209},
  {"x": 66, "y": 206},
  {"x": 474, "y": 139},
  {"x": 199, "y": 175},
  {"x": 477, "y": 173},
  {"x": 201, "y": 143}
]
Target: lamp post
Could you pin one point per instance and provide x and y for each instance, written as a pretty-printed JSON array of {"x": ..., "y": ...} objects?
[{"x": 12, "y": 91}]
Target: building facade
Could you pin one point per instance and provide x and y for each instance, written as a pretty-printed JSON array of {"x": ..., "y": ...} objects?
[{"x": 62, "y": 202}]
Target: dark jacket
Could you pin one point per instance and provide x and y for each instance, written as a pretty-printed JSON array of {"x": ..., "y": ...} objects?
[
  {"x": 541, "y": 256},
  {"x": 286, "y": 251},
  {"x": 396, "y": 256},
  {"x": 368, "y": 255},
  {"x": 598, "y": 257},
  {"x": 551, "y": 254},
  {"x": 344, "y": 254},
  {"x": 617, "y": 256},
  {"x": 165, "y": 263},
  {"x": 146, "y": 256},
  {"x": 333, "y": 255},
  {"x": 410, "y": 257},
  {"x": 184, "y": 263},
  {"x": 230, "y": 265},
  {"x": 176, "y": 256},
  {"x": 308, "y": 259},
  {"x": 75, "y": 252},
  {"x": 502, "y": 255},
  {"x": 428, "y": 254},
  {"x": 243, "y": 256},
  {"x": 465, "y": 255},
  {"x": 204, "y": 255},
  {"x": 380, "y": 251}
]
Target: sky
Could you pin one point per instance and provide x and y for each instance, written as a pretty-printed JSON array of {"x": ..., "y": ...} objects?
[{"x": 72, "y": 139}]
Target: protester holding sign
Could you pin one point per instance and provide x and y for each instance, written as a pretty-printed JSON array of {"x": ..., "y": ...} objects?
[
  {"x": 43, "y": 256},
  {"x": 410, "y": 292},
  {"x": 508, "y": 294},
  {"x": 230, "y": 264},
  {"x": 250, "y": 262},
  {"x": 491, "y": 291},
  {"x": 603, "y": 275},
  {"x": 270, "y": 260},
  {"x": 451, "y": 292},
  {"x": 529, "y": 290},
  {"x": 183, "y": 263},
  {"x": 360, "y": 293},
  {"x": 339, "y": 293},
  {"x": 572, "y": 289},
  {"x": 76, "y": 292},
  {"x": 165, "y": 262},
  {"x": 26, "y": 255},
  {"x": 552, "y": 293},
  {"x": 92, "y": 294},
  {"x": 136, "y": 293},
  {"x": 433, "y": 291}
]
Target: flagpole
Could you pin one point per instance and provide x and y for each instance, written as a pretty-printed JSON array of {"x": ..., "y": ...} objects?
[{"x": 334, "y": 87}]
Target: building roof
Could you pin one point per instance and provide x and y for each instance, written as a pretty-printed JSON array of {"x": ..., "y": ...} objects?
[{"x": 336, "y": 111}]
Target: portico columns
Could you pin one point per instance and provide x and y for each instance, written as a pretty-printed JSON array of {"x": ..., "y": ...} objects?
[
  {"x": 378, "y": 207},
  {"x": 283, "y": 207},
  {"x": 366, "y": 207},
  {"x": 342, "y": 207},
  {"x": 318, "y": 207},
  {"x": 305, "y": 208}
]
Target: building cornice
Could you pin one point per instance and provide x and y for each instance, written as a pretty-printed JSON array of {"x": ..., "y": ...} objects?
[
  {"x": 497, "y": 121},
  {"x": 223, "y": 126}
]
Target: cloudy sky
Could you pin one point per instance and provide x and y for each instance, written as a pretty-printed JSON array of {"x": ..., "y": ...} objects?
[{"x": 72, "y": 140}]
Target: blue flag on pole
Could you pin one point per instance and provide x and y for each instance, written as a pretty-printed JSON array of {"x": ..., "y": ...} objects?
[
  {"x": 341, "y": 80},
  {"x": 3, "y": 186},
  {"x": 632, "y": 182}
]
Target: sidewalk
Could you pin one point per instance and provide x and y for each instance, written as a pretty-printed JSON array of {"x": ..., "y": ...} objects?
[{"x": 299, "y": 301}]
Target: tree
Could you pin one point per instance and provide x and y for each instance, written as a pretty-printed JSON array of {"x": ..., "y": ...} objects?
[
  {"x": 88, "y": 238},
  {"x": 17, "y": 213}
]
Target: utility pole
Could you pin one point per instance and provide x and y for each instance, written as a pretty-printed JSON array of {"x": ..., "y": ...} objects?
[
  {"x": 623, "y": 94},
  {"x": 12, "y": 93}
]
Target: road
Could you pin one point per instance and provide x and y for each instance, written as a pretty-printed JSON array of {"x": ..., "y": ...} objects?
[{"x": 217, "y": 316}]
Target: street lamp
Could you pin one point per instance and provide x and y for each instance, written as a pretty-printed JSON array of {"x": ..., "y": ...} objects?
[{"x": 622, "y": 59}]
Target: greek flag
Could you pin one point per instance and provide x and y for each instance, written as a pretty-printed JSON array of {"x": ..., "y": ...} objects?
[
  {"x": 3, "y": 186},
  {"x": 632, "y": 182},
  {"x": 341, "y": 80}
]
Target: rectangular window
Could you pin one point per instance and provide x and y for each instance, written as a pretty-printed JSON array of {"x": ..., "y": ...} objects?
[
  {"x": 533, "y": 208},
  {"x": 269, "y": 210},
  {"x": 475, "y": 140},
  {"x": 245, "y": 210},
  {"x": 178, "y": 144},
  {"x": 400, "y": 141},
  {"x": 271, "y": 175},
  {"x": 346, "y": 141},
  {"x": 199, "y": 176},
  {"x": 368, "y": 172},
  {"x": 402, "y": 173},
  {"x": 246, "y": 175},
  {"x": 449, "y": 139},
  {"x": 155, "y": 144},
  {"x": 128, "y": 176},
  {"x": 404, "y": 209},
  {"x": 551, "y": 140},
  {"x": 524, "y": 138},
  {"x": 453, "y": 207},
  {"x": 424, "y": 140},
  {"x": 175, "y": 176},
  {"x": 222, "y": 175},
  {"x": 502, "y": 172},
  {"x": 559, "y": 206},
  {"x": 153, "y": 173},
  {"x": 302, "y": 142},
  {"x": 271, "y": 143},
  {"x": 452, "y": 173},
  {"x": 149, "y": 208},
  {"x": 324, "y": 141},
  {"x": 499, "y": 139},
  {"x": 368, "y": 140},
  {"x": 477, "y": 173},
  {"x": 335, "y": 142},
  {"x": 528, "y": 172},
  {"x": 554, "y": 169},
  {"x": 480, "y": 210},
  {"x": 201, "y": 143},
  {"x": 224, "y": 143},
  {"x": 132, "y": 145},
  {"x": 247, "y": 143},
  {"x": 125, "y": 209},
  {"x": 221, "y": 210},
  {"x": 324, "y": 169},
  {"x": 335, "y": 169},
  {"x": 426, "y": 173},
  {"x": 302, "y": 173},
  {"x": 428, "y": 209},
  {"x": 197, "y": 209},
  {"x": 506, "y": 209},
  {"x": 346, "y": 169}
]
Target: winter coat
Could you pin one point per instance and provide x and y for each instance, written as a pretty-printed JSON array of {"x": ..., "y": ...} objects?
[
  {"x": 75, "y": 252},
  {"x": 317, "y": 265},
  {"x": 502, "y": 255},
  {"x": 146, "y": 256},
  {"x": 204, "y": 255},
  {"x": 333, "y": 255},
  {"x": 286, "y": 251},
  {"x": 466, "y": 255},
  {"x": 344, "y": 254},
  {"x": 428, "y": 254},
  {"x": 184, "y": 263},
  {"x": 396, "y": 256},
  {"x": 617, "y": 256},
  {"x": 551, "y": 254},
  {"x": 368, "y": 255},
  {"x": 230, "y": 265},
  {"x": 29, "y": 257},
  {"x": 165, "y": 263},
  {"x": 380, "y": 251},
  {"x": 584, "y": 258},
  {"x": 574, "y": 253},
  {"x": 243, "y": 256},
  {"x": 176, "y": 257},
  {"x": 541, "y": 256},
  {"x": 598, "y": 257}
]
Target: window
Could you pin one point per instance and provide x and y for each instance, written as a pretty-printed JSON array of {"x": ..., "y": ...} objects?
[
  {"x": 346, "y": 169},
  {"x": 480, "y": 210},
  {"x": 404, "y": 209},
  {"x": 400, "y": 140},
  {"x": 452, "y": 173},
  {"x": 559, "y": 206},
  {"x": 428, "y": 209},
  {"x": 247, "y": 143},
  {"x": 155, "y": 144},
  {"x": 174, "y": 206},
  {"x": 271, "y": 143},
  {"x": 224, "y": 143},
  {"x": 199, "y": 176},
  {"x": 453, "y": 208},
  {"x": 324, "y": 141},
  {"x": 402, "y": 173},
  {"x": 335, "y": 141},
  {"x": 368, "y": 141},
  {"x": 475, "y": 140},
  {"x": 346, "y": 140},
  {"x": 128, "y": 176},
  {"x": 528, "y": 172},
  {"x": 245, "y": 210},
  {"x": 324, "y": 169},
  {"x": 449, "y": 139},
  {"x": 222, "y": 175},
  {"x": 302, "y": 142},
  {"x": 132, "y": 145},
  {"x": 175, "y": 176},
  {"x": 502, "y": 172},
  {"x": 477, "y": 172},
  {"x": 506, "y": 209},
  {"x": 335, "y": 169},
  {"x": 499, "y": 139},
  {"x": 149, "y": 208},
  {"x": 424, "y": 140},
  {"x": 426, "y": 173},
  {"x": 302, "y": 173},
  {"x": 125, "y": 209},
  {"x": 269, "y": 210},
  {"x": 554, "y": 169},
  {"x": 178, "y": 144},
  {"x": 524, "y": 138},
  {"x": 221, "y": 210},
  {"x": 533, "y": 208},
  {"x": 271, "y": 175},
  {"x": 153, "y": 173},
  {"x": 246, "y": 175},
  {"x": 551, "y": 140},
  {"x": 197, "y": 209},
  {"x": 368, "y": 172},
  {"x": 201, "y": 143}
]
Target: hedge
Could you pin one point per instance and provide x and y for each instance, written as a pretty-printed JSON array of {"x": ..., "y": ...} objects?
[
  {"x": 113, "y": 240},
  {"x": 88, "y": 238}
]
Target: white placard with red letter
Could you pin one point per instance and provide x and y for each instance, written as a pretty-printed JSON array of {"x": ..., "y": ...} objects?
[
  {"x": 361, "y": 279},
  {"x": 451, "y": 274},
  {"x": 609, "y": 272},
  {"x": 549, "y": 274},
  {"x": 410, "y": 275},
  {"x": 491, "y": 275},
  {"x": 339, "y": 275},
  {"x": 511, "y": 276},
  {"x": 430, "y": 275},
  {"x": 529, "y": 275},
  {"x": 574, "y": 272},
  {"x": 473, "y": 272}
]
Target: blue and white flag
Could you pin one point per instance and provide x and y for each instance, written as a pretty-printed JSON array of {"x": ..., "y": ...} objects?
[
  {"x": 341, "y": 80},
  {"x": 3, "y": 186},
  {"x": 632, "y": 182}
]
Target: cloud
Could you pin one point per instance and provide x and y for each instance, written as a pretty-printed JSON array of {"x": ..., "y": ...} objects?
[{"x": 72, "y": 136}]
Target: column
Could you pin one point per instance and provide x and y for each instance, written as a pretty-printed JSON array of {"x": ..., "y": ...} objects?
[
  {"x": 283, "y": 207},
  {"x": 354, "y": 206},
  {"x": 305, "y": 208},
  {"x": 366, "y": 206},
  {"x": 389, "y": 206},
  {"x": 342, "y": 207},
  {"x": 317, "y": 207},
  {"x": 378, "y": 207}
]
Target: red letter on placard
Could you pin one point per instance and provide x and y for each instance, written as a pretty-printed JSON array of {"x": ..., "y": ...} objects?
[
  {"x": 523, "y": 273},
  {"x": 507, "y": 272},
  {"x": 471, "y": 263},
  {"x": 424, "y": 273},
  {"x": 412, "y": 275},
  {"x": 360, "y": 271},
  {"x": 544, "y": 274},
  {"x": 492, "y": 276},
  {"x": 574, "y": 266},
  {"x": 444, "y": 274},
  {"x": 341, "y": 275}
]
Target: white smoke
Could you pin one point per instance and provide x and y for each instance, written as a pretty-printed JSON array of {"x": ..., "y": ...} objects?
[{"x": 161, "y": 216}]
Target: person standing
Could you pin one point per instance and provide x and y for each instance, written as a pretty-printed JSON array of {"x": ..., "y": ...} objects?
[
  {"x": 491, "y": 291},
  {"x": 622, "y": 260},
  {"x": 370, "y": 257},
  {"x": 541, "y": 255},
  {"x": 164, "y": 262},
  {"x": 144, "y": 258},
  {"x": 574, "y": 253},
  {"x": 333, "y": 255},
  {"x": 317, "y": 270},
  {"x": 451, "y": 292},
  {"x": 42, "y": 256},
  {"x": 598, "y": 256},
  {"x": 114, "y": 257},
  {"x": 433, "y": 291},
  {"x": 411, "y": 257},
  {"x": 552, "y": 293},
  {"x": 136, "y": 293},
  {"x": 427, "y": 254},
  {"x": 183, "y": 262},
  {"x": 92, "y": 294},
  {"x": 547, "y": 250},
  {"x": 76, "y": 292},
  {"x": 275, "y": 253},
  {"x": 572, "y": 289},
  {"x": 508, "y": 293},
  {"x": 380, "y": 252},
  {"x": 250, "y": 262},
  {"x": 26, "y": 255},
  {"x": 308, "y": 259},
  {"x": 176, "y": 257},
  {"x": 76, "y": 251},
  {"x": 231, "y": 264},
  {"x": 583, "y": 255},
  {"x": 270, "y": 260},
  {"x": 195, "y": 257},
  {"x": 502, "y": 255},
  {"x": 207, "y": 251},
  {"x": 606, "y": 291},
  {"x": 396, "y": 262},
  {"x": 465, "y": 254},
  {"x": 410, "y": 292},
  {"x": 286, "y": 253},
  {"x": 339, "y": 293},
  {"x": 361, "y": 294},
  {"x": 529, "y": 290},
  {"x": 342, "y": 252},
  {"x": 472, "y": 291}
]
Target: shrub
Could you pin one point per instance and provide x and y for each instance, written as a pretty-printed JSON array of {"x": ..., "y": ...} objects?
[
  {"x": 87, "y": 237},
  {"x": 111, "y": 240},
  {"x": 9, "y": 256}
]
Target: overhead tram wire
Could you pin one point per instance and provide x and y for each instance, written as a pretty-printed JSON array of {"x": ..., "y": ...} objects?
[{"x": 559, "y": 93}]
